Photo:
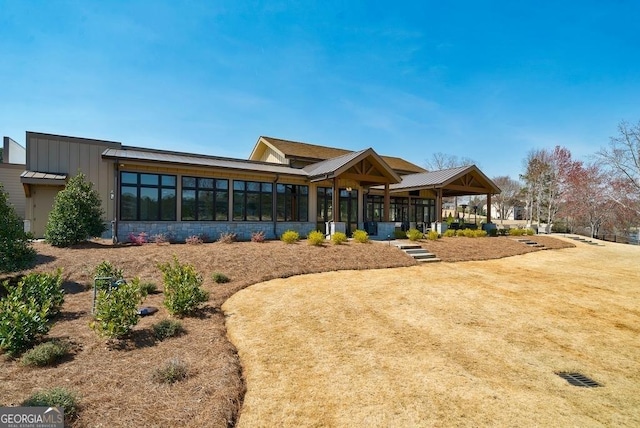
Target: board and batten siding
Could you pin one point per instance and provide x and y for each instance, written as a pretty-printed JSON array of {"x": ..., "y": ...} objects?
[{"x": 68, "y": 155}]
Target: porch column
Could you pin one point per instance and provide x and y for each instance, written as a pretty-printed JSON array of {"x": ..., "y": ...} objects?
[
  {"x": 439, "y": 205},
  {"x": 335, "y": 203},
  {"x": 488, "y": 207},
  {"x": 387, "y": 203}
]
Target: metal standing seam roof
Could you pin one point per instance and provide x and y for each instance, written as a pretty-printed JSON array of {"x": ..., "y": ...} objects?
[
  {"x": 186, "y": 159},
  {"x": 428, "y": 179},
  {"x": 27, "y": 176},
  {"x": 330, "y": 165}
]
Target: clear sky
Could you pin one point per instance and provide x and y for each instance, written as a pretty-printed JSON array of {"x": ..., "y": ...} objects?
[{"x": 488, "y": 80}]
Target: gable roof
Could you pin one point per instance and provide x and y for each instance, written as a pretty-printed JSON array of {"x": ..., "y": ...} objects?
[
  {"x": 333, "y": 167},
  {"x": 475, "y": 181},
  {"x": 314, "y": 153}
]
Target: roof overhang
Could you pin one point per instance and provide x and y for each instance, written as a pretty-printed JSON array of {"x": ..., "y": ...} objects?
[
  {"x": 28, "y": 178},
  {"x": 365, "y": 167}
]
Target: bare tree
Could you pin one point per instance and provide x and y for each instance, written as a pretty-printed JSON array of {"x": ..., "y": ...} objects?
[
  {"x": 622, "y": 157},
  {"x": 508, "y": 198},
  {"x": 440, "y": 161}
]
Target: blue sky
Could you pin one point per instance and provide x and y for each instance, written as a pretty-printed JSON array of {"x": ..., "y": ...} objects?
[{"x": 488, "y": 80}]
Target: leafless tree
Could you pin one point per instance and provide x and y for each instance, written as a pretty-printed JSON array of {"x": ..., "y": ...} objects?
[
  {"x": 440, "y": 161},
  {"x": 506, "y": 201}
]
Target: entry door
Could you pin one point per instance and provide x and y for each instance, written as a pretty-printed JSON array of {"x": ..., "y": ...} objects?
[
  {"x": 42, "y": 198},
  {"x": 349, "y": 209}
]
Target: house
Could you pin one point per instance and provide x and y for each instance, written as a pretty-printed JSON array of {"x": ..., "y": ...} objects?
[{"x": 283, "y": 185}]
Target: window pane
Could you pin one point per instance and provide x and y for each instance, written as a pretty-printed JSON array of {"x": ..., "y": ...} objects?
[
  {"x": 267, "y": 187},
  {"x": 303, "y": 190},
  {"x": 168, "y": 204},
  {"x": 303, "y": 208},
  {"x": 280, "y": 188},
  {"x": 238, "y": 185},
  {"x": 222, "y": 206},
  {"x": 188, "y": 182},
  {"x": 205, "y": 205},
  {"x": 129, "y": 178},
  {"x": 149, "y": 204},
  {"x": 267, "y": 207},
  {"x": 253, "y": 201},
  {"x": 168, "y": 180},
  {"x": 128, "y": 203},
  {"x": 205, "y": 183},
  {"x": 252, "y": 186},
  {"x": 222, "y": 184},
  {"x": 280, "y": 204},
  {"x": 188, "y": 204},
  {"x": 149, "y": 179},
  {"x": 238, "y": 205}
]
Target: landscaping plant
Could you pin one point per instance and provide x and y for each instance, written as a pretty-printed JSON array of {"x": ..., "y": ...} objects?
[
  {"x": 258, "y": 236},
  {"x": 55, "y": 397},
  {"x": 433, "y": 235},
  {"x": 167, "y": 328},
  {"x": 22, "y": 322},
  {"x": 228, "y": 238},
  {"x": 44, "y": 288},
  {"x": 414, "y": 235},
  {"x": 182, "y": 291},
  {"x": 76, "y": 214},
  {"x": 46, "y": 354},
  {"x": 116, "y": 310},
  {"x": 360, "y": 236},
  {"x": 315, "y": 238},
  {"x": 15, "y": 249},
  {"x": 174, "y": 370},
  {"x": 290, "y": 237},
  {"x": 106, "y": 270},
  {"x": 219, "y": 278},
  {"x": 339, "y": 238}
]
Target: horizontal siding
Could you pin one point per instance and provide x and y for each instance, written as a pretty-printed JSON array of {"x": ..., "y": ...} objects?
[{"x": 10, "y": 179}]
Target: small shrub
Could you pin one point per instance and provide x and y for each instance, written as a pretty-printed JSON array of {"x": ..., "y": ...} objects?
[
  {"x": 42, "y": 287},
  {"x": 147, "y": 288},
  {"x": 167, "y": 328},
  {"x": 433, "y": 235},
  {"x": 290, "y": 237},
  {"x": 503, "y": 232},
  {"x": 460, "y": 232},
  {"x": 46, "y": 354},
  {"x": 117, "y": 310},
  {"x": 339, "y": 238},
  {"x": 106, "y": 270},
  {"x": 55, "y": 397},
  {"x": 315, "y": 238},
  {"x": 258, "y": 236},
  {"x": 193, "y": 240},
  {"x": 520, "y": 232},
  {"x": 399, "y": 234},
  {"x": 172, "y": 371},
  {"x": 414, "y": 235},
  {"x": 182, "y": 292},
  {"x": 529, "y": 232},
  {"x": 360, "y": 236},
  {"x": 220, "y": 278},
  {"x": 159, "y": 239},
  {"x": 227, "y": 238},
  {"x": 450, "y": 233},
  {"x": 22, "y": 321},
  {"x": 139, "y": 239}
]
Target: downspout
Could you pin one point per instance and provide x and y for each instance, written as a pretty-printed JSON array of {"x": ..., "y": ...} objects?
[
  {"x": 116, "y": 203},
  {"x": 274, "y": 203}
]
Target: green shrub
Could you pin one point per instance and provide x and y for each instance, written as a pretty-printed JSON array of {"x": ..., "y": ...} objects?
[
  {"x": 22, "y": 321},
  {"x": 42, "y": 287},
  {"x": 520, "y": 232},
  {"x": 46, "y": 354},
  {"x": 339, "y": 238},
  {"x": 399, "y": 234},
  {"x": 529, "y": 232},
  {"x": 460, "y": 232},
  {"x": 182, "y": 292},
  {"x": 76, "y": 214},
  {"x": 220, "y": 278},
  {"x": 433, "y": 235},
  {"x": 167, "y": 328},
  {"x": 55, "y": 397},
  {"x": 106, "y": 270},
  {"x": 227, "y": 238},
  {"x": 450, "y": 233},
  {"x": 414, "y": 235},
  {"x": 503, "y": 232},
  {"x": 290, "y": 237},
  {"x": 315, "y": 238},
  {"x": 174, "y": 370},
  {"x": 147, "y": 288},
  {"x": 15, "y": 249},
  {"x": 360, "y": 236},
  {"x": 116, "y": 310}
]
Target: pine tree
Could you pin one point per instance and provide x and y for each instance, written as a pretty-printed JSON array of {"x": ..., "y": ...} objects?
[
  {"x": 76, "y": 215},
  {"x": 15, "y": 249}
]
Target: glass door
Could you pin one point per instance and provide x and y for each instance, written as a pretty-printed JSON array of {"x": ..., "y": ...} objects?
[{"x": 349, "y": 209}]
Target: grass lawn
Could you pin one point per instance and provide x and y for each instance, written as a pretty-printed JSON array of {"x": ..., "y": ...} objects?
[{"x": 474, "y": 343}]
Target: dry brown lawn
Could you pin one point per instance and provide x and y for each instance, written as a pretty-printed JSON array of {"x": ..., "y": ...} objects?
[
  {"x": 473, "y": 343},
  {"x": 114, "y": 382}
]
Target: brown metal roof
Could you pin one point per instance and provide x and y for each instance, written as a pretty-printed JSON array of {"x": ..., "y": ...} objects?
[
  {"x": 36, "y": 177},
  {"x": 312, "y": 152},
  {"x": 332, "y": 167}
]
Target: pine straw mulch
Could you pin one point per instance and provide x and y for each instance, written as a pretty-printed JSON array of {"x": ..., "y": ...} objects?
[{"x": 113, "y": 380}]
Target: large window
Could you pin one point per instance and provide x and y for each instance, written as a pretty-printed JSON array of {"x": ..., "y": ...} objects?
[
  {"x": 252, "y": 201},
  {"x": 205, "y": 199},
  {"x": 147, "y": 197},
  {"x": 292, "y": 202},
  {"x": 374, "y": 208}
]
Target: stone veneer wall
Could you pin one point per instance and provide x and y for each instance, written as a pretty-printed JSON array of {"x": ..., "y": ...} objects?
[{"x": 179, "y": 231}]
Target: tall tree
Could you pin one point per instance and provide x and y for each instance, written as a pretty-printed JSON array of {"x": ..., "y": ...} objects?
[
  {"x": 16, "y": 252},
  {"x": 508, "y": 198},
  {"x": 586, "y": 202},
  {"x": 440, "y": 161},
  {"x": 622, "y": 157}
]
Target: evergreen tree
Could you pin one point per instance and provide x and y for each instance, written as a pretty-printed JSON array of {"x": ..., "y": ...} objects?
[
  {"x": 15, "y": 249},
  {"x": 76, "y": 215}
]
